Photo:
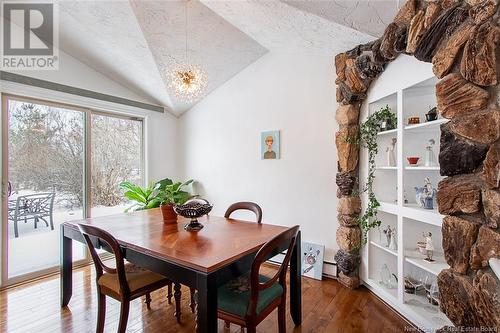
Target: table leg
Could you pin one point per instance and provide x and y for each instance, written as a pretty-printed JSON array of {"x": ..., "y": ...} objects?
[
  {"x": 66, "y": 267},
  {"x": 296, "y": 283},
  {"x": 207, "y": 304}
]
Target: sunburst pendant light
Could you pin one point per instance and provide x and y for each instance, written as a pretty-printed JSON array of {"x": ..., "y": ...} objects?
[{"x": 187, "y": 80}]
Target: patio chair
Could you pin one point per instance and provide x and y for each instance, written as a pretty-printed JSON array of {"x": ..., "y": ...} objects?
[{"x": 37, "y": 207}]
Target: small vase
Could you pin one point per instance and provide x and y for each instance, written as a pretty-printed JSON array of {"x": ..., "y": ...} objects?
[{"x": 169, "y": 215}]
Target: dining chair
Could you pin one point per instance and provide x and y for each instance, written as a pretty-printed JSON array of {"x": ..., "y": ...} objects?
[
  {"x": 250, "y": 298},
  {"x": 251, "y": 206},
  {"x": 124, "y": 283}
]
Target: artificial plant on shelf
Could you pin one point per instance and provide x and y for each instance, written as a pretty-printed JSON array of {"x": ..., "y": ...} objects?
[{"x": 367, "y": 138}]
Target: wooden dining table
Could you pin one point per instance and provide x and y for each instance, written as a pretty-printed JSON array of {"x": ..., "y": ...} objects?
[{"x": 223, "y": 250}]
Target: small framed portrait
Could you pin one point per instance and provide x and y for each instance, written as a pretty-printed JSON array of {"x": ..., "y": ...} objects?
[{"x": 270, "y": 145}]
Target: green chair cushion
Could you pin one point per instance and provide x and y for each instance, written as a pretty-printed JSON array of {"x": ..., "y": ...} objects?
[{"x": 234, "y": 296}]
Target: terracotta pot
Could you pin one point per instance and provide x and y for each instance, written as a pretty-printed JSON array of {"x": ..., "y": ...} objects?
[{"x": 169, "y": 216}]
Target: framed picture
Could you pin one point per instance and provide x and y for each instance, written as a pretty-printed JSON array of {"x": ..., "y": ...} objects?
[
  {"x": 270, "y": 145},
  {"x": 312, "y": 260}
]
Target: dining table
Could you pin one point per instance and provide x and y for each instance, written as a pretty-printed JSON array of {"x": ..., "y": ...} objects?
[{"x": 204, "y": 260}]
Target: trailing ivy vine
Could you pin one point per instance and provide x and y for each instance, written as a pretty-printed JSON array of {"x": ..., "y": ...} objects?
[{"x": 367, "y": 138}]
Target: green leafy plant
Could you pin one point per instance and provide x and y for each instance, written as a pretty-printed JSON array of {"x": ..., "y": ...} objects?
[
  {"x": 367, "y": 138},
  {"x": 143, "y": 198},
  {"x": 170, "y": 193},
  {"x": 155, "y": 194}
]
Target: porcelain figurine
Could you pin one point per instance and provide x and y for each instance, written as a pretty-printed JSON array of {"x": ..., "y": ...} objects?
[
  {"x": 429, "y": 247},
  {"x": 393, "y": 244},
  {"x": 388, "y": 234},
  {"x": 391, "y": 160},
  {"x": 430, "y": 159},
  {"x": 425, "y": 195}
]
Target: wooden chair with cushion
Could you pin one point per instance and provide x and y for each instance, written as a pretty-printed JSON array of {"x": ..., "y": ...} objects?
[
  {"x": 251, "y": 206},
  {"x": 249, "y": 299},
  {"x": 124, "y": 283}
]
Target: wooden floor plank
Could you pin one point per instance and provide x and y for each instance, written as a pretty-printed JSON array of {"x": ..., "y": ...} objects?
[{"x": 327, "y": 307}]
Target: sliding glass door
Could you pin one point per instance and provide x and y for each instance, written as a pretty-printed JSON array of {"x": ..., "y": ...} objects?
[
  {"x": 60, "y": 163},
  {"x": 116, "y": 157}
]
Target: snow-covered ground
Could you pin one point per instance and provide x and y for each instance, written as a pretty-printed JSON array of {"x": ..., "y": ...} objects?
[{"x": 37, "y": 249}]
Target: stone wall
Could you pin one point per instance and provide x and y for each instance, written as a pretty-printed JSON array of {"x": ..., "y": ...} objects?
[{"x": 460, "y": 39}]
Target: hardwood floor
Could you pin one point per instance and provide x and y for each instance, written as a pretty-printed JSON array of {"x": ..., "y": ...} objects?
[{"x": 327, "y": 307}]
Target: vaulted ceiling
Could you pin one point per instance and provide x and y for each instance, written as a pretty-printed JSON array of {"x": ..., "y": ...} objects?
[{"x": 135, "y": 42}]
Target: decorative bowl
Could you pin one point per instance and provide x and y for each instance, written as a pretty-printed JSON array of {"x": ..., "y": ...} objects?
[
  {"x": 413, "y": 160},
  {"x": 193, "y": 209}
]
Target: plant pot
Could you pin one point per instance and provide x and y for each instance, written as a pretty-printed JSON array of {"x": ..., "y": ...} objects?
[{"x": 169, "y": 215}]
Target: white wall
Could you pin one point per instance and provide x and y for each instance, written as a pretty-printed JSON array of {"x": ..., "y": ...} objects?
[
  {"x": 161, "y": 130},
  {"x": 220, "y": 140}
]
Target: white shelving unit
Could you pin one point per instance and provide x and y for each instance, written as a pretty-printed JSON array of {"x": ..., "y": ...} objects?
[
  {"x": 422, "y": 168},
  {"x": 408, "y": 96}
]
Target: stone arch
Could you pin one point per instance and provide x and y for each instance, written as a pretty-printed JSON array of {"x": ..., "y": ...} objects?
[{"x": 460, "y": 38}]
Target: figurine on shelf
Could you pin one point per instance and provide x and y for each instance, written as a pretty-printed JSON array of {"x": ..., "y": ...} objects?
[
  {"x": 430, "y": 159},
  {"x": 385, "y": 276},
  {"x": 429, "y": 247},
  {"x": 425, "y": 195},
  {"x": 392, "y": 244},
  {"x": 432, "y": 114},
  {"x": 405, "y": 197},
  {"x": 388, "y": 233},
  {"x": 388, "y": 279},
  {"x": 391, "y": 160}
]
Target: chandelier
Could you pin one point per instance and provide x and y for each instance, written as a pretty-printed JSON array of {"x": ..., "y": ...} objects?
[{"x": 187, "y": 80}]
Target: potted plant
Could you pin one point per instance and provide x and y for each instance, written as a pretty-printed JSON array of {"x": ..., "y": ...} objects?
[
  {"x": 142, "y": 198},
  {"x": 169, "y": 195},
  {"x": 367, "y": 138}
]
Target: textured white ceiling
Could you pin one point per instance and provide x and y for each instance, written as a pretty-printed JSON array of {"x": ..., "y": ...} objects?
[
  {"x": 135, "y": 42},
  {"x": 284, "y": 28},
  {"x": 369, "y": 16},
  {"x": 220, "y": 48},
  {"x": 106, "y": 36}
]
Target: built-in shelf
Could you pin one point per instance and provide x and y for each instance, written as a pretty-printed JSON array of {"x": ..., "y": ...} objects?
[
  {"x": 392, "y": 294},
  {"x": 427, "y": 125},
  {"x": 387, "y": 132},
  {"x": 422, "y": 168},
  {"x": 388, "y": 207},
  {"x": 386, "y": 168},
  {"x": 417, "y": 259},
  {"x": 383, "y": 248},
  {"x": 415, "y": 212},
  {"x": 429, "y": 314},
  {"x": 411, "y": 98}
]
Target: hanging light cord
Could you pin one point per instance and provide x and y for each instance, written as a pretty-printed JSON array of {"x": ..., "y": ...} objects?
[{"x": 186, "y": 31}]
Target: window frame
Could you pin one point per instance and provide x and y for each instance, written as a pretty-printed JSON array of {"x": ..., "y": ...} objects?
[{"x": 5, "y": 281}]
